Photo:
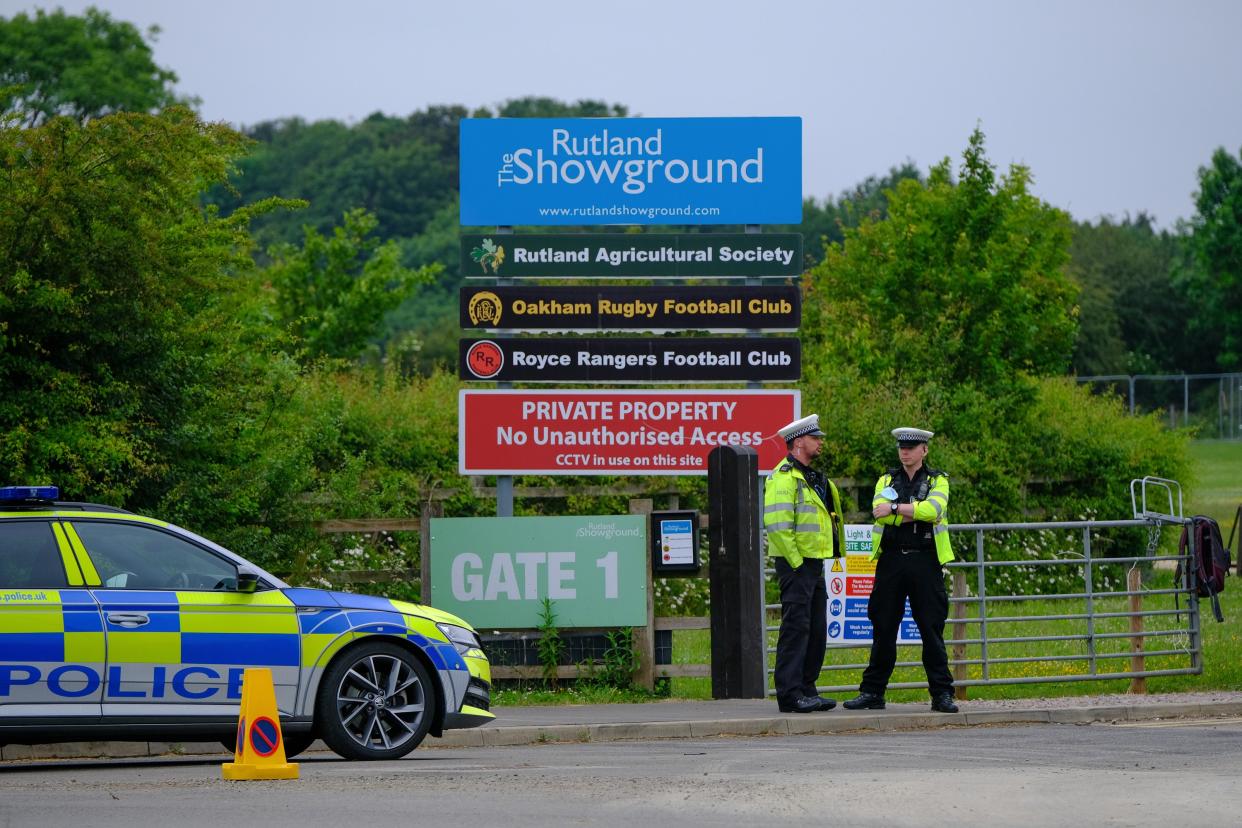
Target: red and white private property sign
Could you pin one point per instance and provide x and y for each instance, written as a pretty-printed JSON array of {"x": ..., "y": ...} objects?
[{"x": 617, "y": 432}]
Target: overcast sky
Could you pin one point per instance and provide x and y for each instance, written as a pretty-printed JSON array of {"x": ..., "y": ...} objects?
[{"x": 1113, "y": 105}]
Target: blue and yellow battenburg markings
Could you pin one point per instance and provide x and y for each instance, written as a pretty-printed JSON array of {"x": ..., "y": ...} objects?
[
  {"x": 327, "y": 629},
  {"x": 191, "y": 641},
  {"x": 50, "y": 625}
]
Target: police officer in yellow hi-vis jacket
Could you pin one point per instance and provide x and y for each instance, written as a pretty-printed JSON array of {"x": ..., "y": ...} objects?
[
  {"x": 803, "y": 518},
  {"x": 910, "y": 539}
]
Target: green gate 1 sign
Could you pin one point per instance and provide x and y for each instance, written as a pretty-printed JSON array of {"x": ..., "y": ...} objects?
[{"x": 495, "y": 572}]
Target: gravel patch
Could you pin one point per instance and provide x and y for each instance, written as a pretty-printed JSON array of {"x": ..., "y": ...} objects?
[{"x": 1113, "y": 700}]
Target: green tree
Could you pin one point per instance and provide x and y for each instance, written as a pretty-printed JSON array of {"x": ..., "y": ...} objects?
[
  {"x": 109, "y": 268},
  {"x": 1212, "y": 274},
  {"x": 538, "y": 107},
  {"x": 955, "y": 312},
  {"x": 83, "y": 67},
  {"x": 1131, "y": 311},
  {"x": 824, "y": 223},
  {"x": 962, "y": 284},
  {"x": 333, "y": 292},
  {"x": 392, "y": 168},
  {"x": 404, "y": 170}
]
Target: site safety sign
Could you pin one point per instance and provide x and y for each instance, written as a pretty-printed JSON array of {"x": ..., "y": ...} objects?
[
  {"x": 617, "y": 432},
  {"x": 849, "y": 581}
]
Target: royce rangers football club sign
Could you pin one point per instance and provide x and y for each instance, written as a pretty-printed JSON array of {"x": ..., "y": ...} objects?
[{"x": 609, "y": 360}]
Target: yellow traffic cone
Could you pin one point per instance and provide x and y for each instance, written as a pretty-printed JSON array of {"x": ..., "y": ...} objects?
[{"x": 260, "y": 749}]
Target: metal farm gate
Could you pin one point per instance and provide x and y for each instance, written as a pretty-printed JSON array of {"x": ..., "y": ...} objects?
[{"x": 1103, "y": 615}]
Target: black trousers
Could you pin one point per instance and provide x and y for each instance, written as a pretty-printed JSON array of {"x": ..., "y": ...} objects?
[
  {"x": 915, "y": 575},
  {"x": 804, "y": 629}
]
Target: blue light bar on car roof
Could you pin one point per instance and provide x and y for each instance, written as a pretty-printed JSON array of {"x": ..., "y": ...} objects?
[{"x": 28, "y": 494}]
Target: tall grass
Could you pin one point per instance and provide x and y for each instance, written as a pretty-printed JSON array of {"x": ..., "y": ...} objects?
[{"x": 1217, "y": 488}]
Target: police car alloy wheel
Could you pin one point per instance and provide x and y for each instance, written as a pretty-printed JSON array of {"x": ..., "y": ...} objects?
[{"x": 376, "y": 702}]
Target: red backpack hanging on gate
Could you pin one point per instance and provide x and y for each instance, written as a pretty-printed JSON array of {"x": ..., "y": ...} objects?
[{"x": 1209, "y": 563}]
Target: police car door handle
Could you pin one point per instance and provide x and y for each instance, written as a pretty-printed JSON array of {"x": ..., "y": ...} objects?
[{"x": 128, "y": 619}]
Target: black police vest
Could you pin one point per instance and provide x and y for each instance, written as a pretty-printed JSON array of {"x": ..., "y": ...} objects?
[{"x": 917, "y": 534}]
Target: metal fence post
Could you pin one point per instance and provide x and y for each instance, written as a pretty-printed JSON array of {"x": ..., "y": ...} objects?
[
  {"x": 983, "y": 604},
  {"x": 1092, "y": 667},
  {"x": 1192, "y": 599}
]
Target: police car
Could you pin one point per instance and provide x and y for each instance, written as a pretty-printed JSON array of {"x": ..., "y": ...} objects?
[{"x": 118, "y": 626}]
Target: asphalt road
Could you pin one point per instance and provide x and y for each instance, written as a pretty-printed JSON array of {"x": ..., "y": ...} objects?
[{"x": 1181, "y": 772}]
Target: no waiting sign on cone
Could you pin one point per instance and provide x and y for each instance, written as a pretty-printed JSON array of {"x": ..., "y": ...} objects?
[{"x": 259, "y": 752}]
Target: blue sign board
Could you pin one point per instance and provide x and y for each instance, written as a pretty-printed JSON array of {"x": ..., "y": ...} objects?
[
  {"x": 856, "y": 631},
  {"x": 587, "y": 171}
]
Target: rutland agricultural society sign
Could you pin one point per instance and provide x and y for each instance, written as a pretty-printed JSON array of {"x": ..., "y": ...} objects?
[
  {"x": 628, "y": 255},
  {"x": 650, "y": 359},
  {"x": 617, "y": 432},
  {"x": 584, "y": 171}
]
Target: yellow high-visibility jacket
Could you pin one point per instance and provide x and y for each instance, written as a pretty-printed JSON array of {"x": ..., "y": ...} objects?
[
  {"x": 933, "y": 510},
  {"x": 798, "y": 523}
]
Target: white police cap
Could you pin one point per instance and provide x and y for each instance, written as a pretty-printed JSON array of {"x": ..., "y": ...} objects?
[
  {"x": 801, "y": 428},
  {"x": 907, "y": 437}
]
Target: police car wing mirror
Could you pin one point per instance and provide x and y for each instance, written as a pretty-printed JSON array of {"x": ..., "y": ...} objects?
[
  {"x": 247, "y": 579},
  {"x": 888, "y": 493}
]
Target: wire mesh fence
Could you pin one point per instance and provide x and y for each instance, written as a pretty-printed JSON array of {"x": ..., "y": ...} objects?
[{"x": 1210, "y": 403}]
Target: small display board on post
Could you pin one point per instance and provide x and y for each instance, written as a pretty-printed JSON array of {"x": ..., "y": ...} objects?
[{"x": 675, "y": 543}]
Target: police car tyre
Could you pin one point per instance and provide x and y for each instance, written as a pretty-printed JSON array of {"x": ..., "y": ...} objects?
[{"x": 376, "y": 701}]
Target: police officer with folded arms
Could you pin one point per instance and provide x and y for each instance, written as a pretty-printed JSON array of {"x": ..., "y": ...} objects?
[
  {"x": 803, "y": 518},
  {"x": 910, "y": 542}
]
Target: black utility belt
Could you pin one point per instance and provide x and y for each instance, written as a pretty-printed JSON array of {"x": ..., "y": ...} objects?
[{"x": 914, "y": 550}]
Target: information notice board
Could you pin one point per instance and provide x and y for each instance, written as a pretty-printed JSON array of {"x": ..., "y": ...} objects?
[{"x": 849, "y": 581}]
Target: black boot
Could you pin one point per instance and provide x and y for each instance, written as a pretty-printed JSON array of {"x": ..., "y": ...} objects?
[
  {"x": 800, "y": 705},
  {"x": 943, "y": 703},
  {"x": 865, "y": 701}
]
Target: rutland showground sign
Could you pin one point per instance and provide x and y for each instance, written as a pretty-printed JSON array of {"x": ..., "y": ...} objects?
[{"x": 592, "y": 171}]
